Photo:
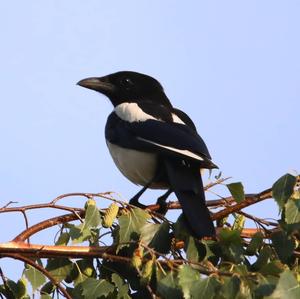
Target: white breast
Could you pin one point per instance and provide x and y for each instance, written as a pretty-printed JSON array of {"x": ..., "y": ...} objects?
[
  {"x": 131, "y": 112},
  {"x": 139, "y": 167}
]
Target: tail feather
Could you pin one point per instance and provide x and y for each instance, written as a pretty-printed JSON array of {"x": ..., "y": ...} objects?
[{"x": 187, "y": 184}]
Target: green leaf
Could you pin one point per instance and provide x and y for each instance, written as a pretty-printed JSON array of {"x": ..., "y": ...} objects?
[
  {"x": 117, "y": 280},
  {"x": 231, "y": 244},
  {"x": 92, "y": 217},
  {"x": 12, "y": 286},
  {"x": 93, "y": 288},
  {"x": 210, "y": 246},
  {"x": 283, "y": 245},
  {"x": 239, "y": 222},
  {"x": 46, "y": 296},
  {"x": 263, "y": 258},
  {"x": 123, "y": 289},
  {"x": 167, "y": 287},
  {"x": 131, "y": 224},
  {"x": 237, "y": 191},
  {"x": 18, "y": 289},
  {"x": 63, "y": 239},
  {"x": 47, "y": 288},
  {"x": 22, "y": 288},
  {"x": 266, "y": 286},
  {"x": 35, "y": 277},
  {"x": 181, "y": 229},
  {"x": 157, "y": 236},
  {"x": 272, "y": 268},
  {"x": 231, "y": 287},
  {"x": 78, "y": 234},
  {"x": 206, "y": 288},
  {"x": 59, "y": 268},
  {"x": 187, "y": 277},
  {"x": 283, "y": 188},
  {"x": 75, "y": 293},
  {"x": 195, "y": 250},
  {"x": 81, "y": 270},
  {"x": 192, "y": 253},
  {"x": 255, "y": 243},
  {"x": 287, "y": 287},
  {"x": 292, "y": 211}
]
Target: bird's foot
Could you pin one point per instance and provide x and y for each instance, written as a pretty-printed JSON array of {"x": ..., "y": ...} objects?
[
  {"x": 135, "y": 202},
  {"x": 161, "y": 201},
  {"x": 163, "y": 206}
]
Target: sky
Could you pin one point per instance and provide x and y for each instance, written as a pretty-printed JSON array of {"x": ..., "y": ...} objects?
[{"x": 233, "y": 66}]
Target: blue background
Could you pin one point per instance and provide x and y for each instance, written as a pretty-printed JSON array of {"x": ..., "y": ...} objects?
[{"x": 232, "y": 65}]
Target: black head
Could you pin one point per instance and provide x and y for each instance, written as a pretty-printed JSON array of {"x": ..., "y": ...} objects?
[{"x": 127, "y": 86}]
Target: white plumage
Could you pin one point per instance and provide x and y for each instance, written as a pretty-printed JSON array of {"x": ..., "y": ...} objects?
[{"x": 139, "y": 167}]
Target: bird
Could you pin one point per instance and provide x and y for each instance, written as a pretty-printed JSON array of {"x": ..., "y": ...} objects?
[{"x": 156, "y": 145}]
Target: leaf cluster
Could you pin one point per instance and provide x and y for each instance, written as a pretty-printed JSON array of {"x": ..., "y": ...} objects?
[{"x": 149, "y": 256}]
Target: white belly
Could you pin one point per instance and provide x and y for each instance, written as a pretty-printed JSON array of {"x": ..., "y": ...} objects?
[{"x": 139, "y": 167}]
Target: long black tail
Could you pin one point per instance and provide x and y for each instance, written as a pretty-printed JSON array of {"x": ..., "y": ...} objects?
[{"x": 187, "y": 184}]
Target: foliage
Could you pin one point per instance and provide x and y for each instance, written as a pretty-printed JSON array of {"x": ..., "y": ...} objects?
[{"x": 151, "y": 257}]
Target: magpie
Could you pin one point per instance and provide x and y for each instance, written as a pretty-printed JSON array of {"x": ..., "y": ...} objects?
[{"x": 155, "y": 145}]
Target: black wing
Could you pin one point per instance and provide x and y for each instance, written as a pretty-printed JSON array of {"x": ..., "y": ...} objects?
[{"x": 158, "y": 136}]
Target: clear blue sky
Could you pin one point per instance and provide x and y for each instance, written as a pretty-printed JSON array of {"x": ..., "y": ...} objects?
[{"x": 232, "y": 65}]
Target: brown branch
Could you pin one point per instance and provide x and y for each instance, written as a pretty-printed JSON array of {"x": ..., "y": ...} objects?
[
  {"x": 248, "y": 201},
  {"x": 39, "y": 268},
  {"x": 24, "y": 252},
  {"x": 175, "y": 205},
  {"x": 48, "y": 251},
  {"x": 8, "y": 204},
  {"x": 259, "y": 221},
  {"x": 38, "y": 206},
  {"x": 82, "y": 194},
  {"x": 217, "y": 182},
  {"x": 72, "y": 217},
  {"x": 46, "y": 224}
]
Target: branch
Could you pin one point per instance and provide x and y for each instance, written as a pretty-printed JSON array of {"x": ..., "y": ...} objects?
[
  {"x": 46, "y": 224},
  {"x": 28, "y": 251},
  {"x": 248, "y": 201},
  {"x": 48, "y": 251}
]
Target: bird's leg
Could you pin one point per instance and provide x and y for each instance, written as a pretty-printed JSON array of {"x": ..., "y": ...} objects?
[
  {"x": 161, "y": 201},
  {"x": 135, "y": 199}
]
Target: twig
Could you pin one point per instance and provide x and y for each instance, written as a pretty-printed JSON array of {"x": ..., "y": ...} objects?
[
  {"x": 38, "y": 206},
  {"x": 217, "y": 182},
  {"x": 248, "y": 201},
  {"x": 46, "y": 224},
  {"x": 258, "y": 220},
  {"x": 8, "y": 204}
]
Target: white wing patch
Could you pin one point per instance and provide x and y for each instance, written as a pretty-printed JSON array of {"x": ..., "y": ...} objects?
[
  {"x": 131, "y": 112},
  {"x": 183, "y": 152},
  {"x": 176, "y": 119}
]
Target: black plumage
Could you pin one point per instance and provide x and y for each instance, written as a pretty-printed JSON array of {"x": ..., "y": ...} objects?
[{"x": 154, "y": 144}]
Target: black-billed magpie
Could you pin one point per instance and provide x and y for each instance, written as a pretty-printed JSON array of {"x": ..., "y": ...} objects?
[{"x": 154, "y": 144}]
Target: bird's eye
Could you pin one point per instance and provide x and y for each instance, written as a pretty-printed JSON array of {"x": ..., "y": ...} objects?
[{"x": 127, "y": 83}]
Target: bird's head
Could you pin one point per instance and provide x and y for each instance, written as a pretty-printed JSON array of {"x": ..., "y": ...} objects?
[{"x": 127, "y": 86}]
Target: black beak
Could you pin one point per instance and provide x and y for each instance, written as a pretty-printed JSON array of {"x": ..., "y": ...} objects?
[{"x": 99, "y": 84}]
